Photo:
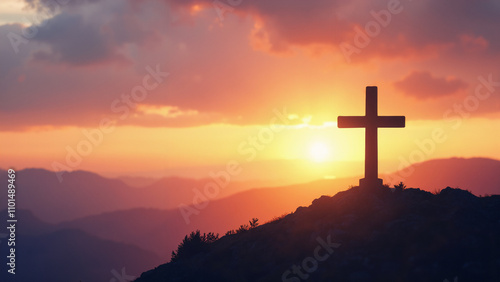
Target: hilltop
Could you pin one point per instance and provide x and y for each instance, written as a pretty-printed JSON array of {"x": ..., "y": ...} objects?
[{"x": 358, "y": 235}]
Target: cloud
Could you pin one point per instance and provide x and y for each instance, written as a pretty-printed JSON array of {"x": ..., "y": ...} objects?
[
  {"x": 89, "y": 53},
  {"x": 90, "y": 32},
  {"x": 423, "y": 85},
  {"x": 418, "y": 28},
  {"x": 73, "y": 41}
]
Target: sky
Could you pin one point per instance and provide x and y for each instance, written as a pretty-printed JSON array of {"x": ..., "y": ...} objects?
[{"x": 156, "y": 88}]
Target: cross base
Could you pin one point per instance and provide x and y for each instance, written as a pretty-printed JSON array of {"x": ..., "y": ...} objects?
[{"x": 370, "y": 182}]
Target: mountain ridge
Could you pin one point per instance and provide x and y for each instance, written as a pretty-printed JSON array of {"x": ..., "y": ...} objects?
[
  {"x": 479, "y": 175},
  {"x": 86, "y": 193}
]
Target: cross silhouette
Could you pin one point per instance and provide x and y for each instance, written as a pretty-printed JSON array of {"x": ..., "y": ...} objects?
[{"x": 371, "y": 121}]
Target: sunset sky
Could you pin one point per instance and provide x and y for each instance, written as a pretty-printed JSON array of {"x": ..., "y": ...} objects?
[{"x": 156, "y": 88}]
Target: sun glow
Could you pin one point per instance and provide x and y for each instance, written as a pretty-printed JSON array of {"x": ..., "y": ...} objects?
[
  {"x": 319, "y": 152},
  {"x": 195, "y": 9}
]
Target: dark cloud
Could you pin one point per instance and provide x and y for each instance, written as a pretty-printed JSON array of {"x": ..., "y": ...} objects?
[
  {"x": 423, "y": 85},
  {"x": 90, "y": 32},
  {"x": 8, "y": 58},
  {"x": 55, "y": 5},
  {"x": 72, "y": 40}
]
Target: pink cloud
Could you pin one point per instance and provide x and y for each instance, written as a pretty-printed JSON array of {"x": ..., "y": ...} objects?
[
  {"x": 411, "y": 27},
  {"x": 423, "y": 85}
]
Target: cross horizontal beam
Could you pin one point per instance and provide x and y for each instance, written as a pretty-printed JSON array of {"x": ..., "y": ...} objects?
[{"x": 363, "y": 121}]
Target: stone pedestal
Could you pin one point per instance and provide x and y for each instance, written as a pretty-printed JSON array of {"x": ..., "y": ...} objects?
[{"x": 370, "y": 182}]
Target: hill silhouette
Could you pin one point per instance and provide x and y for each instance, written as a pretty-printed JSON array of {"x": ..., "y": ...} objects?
[{"x": 379, "y": 235}]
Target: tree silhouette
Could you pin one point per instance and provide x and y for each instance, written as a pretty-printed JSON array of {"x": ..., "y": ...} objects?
[
  {"x": 400, "y": 187},
  {"x": 193, "y": 244},
  {"x": 254, "y": 222}
]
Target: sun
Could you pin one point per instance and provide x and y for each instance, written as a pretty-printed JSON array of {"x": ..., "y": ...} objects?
[{"x": 319, "y": 152}]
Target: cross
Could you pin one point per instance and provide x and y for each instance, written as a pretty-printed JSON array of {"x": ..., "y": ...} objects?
[{"x": 371, "y": 121}]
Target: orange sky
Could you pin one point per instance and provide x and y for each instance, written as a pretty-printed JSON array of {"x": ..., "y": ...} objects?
[{"x": 184, "y": 87}]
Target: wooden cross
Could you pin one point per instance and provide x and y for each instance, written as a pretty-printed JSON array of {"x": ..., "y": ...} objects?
[{"x": 371, "y": 121}]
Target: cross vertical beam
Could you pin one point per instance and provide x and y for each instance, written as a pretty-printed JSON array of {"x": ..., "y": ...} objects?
[
  {"x": 371, "y": 121},
  {"x": 371, "y": 136}
]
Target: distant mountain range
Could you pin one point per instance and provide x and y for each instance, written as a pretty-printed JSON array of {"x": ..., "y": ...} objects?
[
  {"x": 83, "y": 193},
  {"x": 45, "y": 252},
  {"x": 481, "y": 176}
]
